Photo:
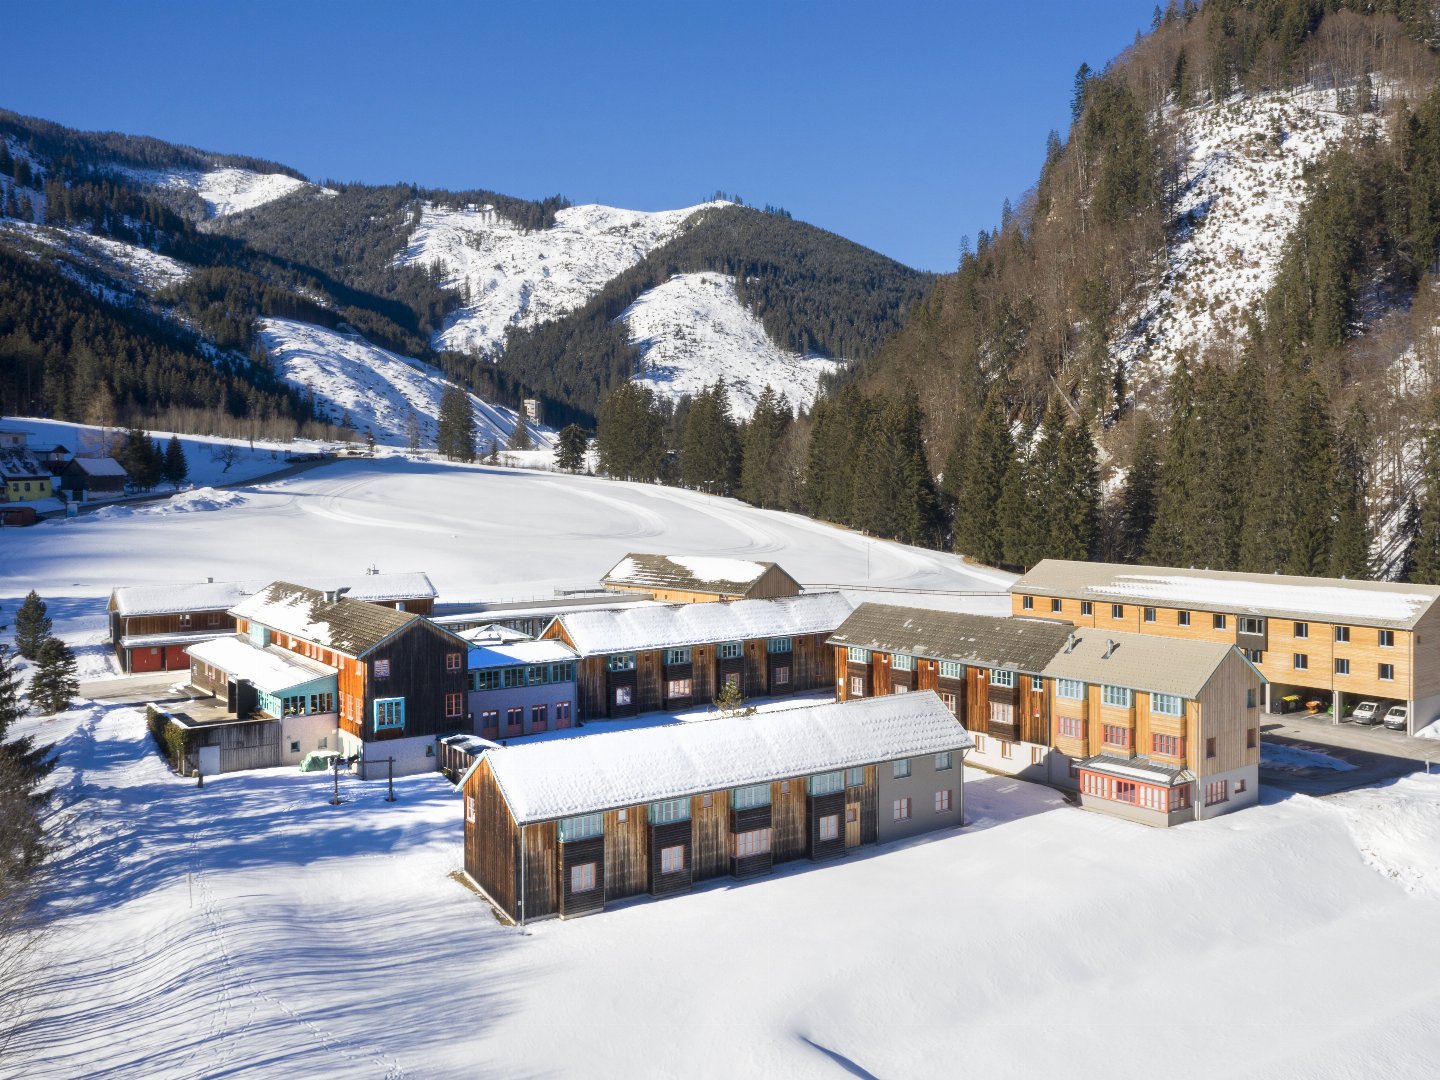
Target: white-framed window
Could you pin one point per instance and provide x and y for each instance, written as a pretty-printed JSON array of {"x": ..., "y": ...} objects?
[
  {"x": 452, "y": 661},
  {"x": 1251, "y": 625},
  {"x": 1087, "y": 608},
  {"x": 1387, "y": 672},
  {"x": 829, "y": 827},
  {"x": 1027, "y": 603},
  {"x": 942, "y": 801},
  {"x": 1002, "y": 712},
  {"x": 1037, "y": 755},
  {"x": 668, "y": 810},
  {"x": 826, "y": 783},
  {"x": 389, "y": 713},
  {"x": 1037, "y": 683},
  {"x": 855, "y": 777},
  {"x": 454, "y": 705},
  {"x": 903, "y": 662},
  {"x": 1007, "y": 748},
  {"x": 1071, "y": 727},
  {"x": 1218, "y": 621},
  {"x": 678, "y": 688},
  {"x": 1182, "y": 618},
  {"x": 1302, "y": 630},
  {"x": 1167, "y": 704},
  {"x": 900, "y": 769},
  {"x": 1002, "y": 677},
  {"x": 750, "y": 796},
  {"x": 728, "y": 650},
  {"x": 857, "y": 686},
  {"x": 1301, "y": 662},
  {"x": 620, "y": 662},
  {"x": 857, "y": 655},
  {"x": 950, "y": 669},
  {"x": 950, "y": 701},
  {"x": 754, "y": 842},
  {"x": 470, "y": 809},
  {"x": 623, "y": 695},
  {"x": 944, "y": 761},
  {"x": 582, "y": 878},
  {"x": 581, "y": 827},
  {"x": 1149, "y": 614},
  {"x": 677, "y": 656},
  {"x": 779, "y": 645},
  {"x": 382, "y": 669},
  {"x": 1342, "y": 633},
  {"x": 1387, "y": 639},
  {"x": 672, "y": 859},
  {"x": 1342, "y": 666},
  {"x": 1055, "y": 604},
  {"x": 780, "y": 675},
  {"x": 1117, "y": 611},
  {"x": 1070, "y": 689},
  {"x": 900, "y": 810},
  {"x": 1121, "y": 696}
]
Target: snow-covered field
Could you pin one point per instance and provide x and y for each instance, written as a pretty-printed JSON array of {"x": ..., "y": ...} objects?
[
  {"x": 515, "y": 278},
  {"x": 693, "y": 330},
  {"x": 378, "y": 388}
]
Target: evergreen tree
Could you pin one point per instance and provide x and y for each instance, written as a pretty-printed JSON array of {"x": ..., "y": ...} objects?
[
  {"x": 1138, "y": 503},
  {"x": 32, "y": 626},
  {"x": 24, "y": 765},
  {"x": 1074, "y": 507},
  {"x": 176, "y": 468},
  {"x": 1043, "y": 485},
  {"x": 710, "y": 445},
  {"x": 630, "y": 437},
  {"x": 1427, "y": 525},
  {"x": 1350, "y": 544},
  {"x": 988, "y": 459},
  {"x": 894, "y": 492},
  {"x": 1214, "y": 521},
  {"x": 570, "y": 450},
  {"x": 456, "y": 429},
  {"x": 520, "y": 434},
  {"x": 760, "y": 476},
  {"x": 838, "y": 426},
  {"x": 144, "y": 463},
  {"x": 1167, "y": 542},
  {"x": 54, "y": 685}
]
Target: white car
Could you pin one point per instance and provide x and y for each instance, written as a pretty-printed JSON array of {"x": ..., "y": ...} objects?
[
  {"x": 1396, "y": 717},
  {"x": 1367, "y": 712}
]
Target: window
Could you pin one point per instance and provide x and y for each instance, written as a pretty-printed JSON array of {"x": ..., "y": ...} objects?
[
  {"x": 1120, "y": 696},
  {"x": 1255, "y": 656},
  {"x": 1149, "y": 614},
  {"x": 293, "y": 706},
  {"x": 324, "y": 743},
  {"x": 1342, "y": 633},
  {"x": 826, "y": 783},
  {"x": 1239, "y": 786},
  {"x": 1171, "y": 746},
  {"x": 582, "y": 827},
  {"x": 900, "y": 688},
  {"x": 900, "y": 769},
  {"x": 514, "y": 718},
  {"x": 1167, "y": 705},
  {"x": 184, "y": 618},
  {"x": 780, "y": 676},
  {"x": 490, "y": 718},
  {"x": 322, "y": 703},
  {"x": 622, "y": 815},
  {"x": 389, "y": 713},
  {"x": 1387, "y": 672},
  {"x": 901, "y": 809},
  {"x": 903, "y": 662},
  {"x": 672, "y": 859},
  {"x": 949, "y": 669},
  {"x": 1037, "y": 684},
  {"x": 382, "y": 669},
  {"x": 1002, "y": 713},
  {"x": 852, "y": 813},
  {"x": 1086, "y": 607},
  {"x": 707, "y": 800},
  {"x": 1217, "y": 791},
  {"x": 1250, "y": 698},
  {"x": 429, "y": 749},
  {"x": 452, "y": 661},
  {"x": 1116, "y": 735},
  {"x": 1027, "y": 603},
  {"x": 622, "y": 695},
  {"x": 213, "y": 619},
  {"x": 750, "y": 796},
  {"x": 1055, "y": 604},
  {"x": 1342, "y": 666},
  {"x": 857, "y": 656},
  {"x": 1252, "y": 738},
  {"x": 485, "y": 680},
  {"x": 668, "y": 810},
  {"x": 979, "y": 744},
  {"x": 1210, "y": 747},
  {"x": 944, "y": 761},
  {"x": 942, "y": 801},
  {"x": 829, "y": 827},
  {"x": 1070, "y": 689},
  {"x": 728, "y": 650},
  {"x": 755, "y": 842},
  {"x": 1117, "y": 611},
  {"x": 1302, "y": 629},
  {"x": 1301, "y": 662},
  {"x": 677, "y": 656},
  {"x": 1387, "y": 639},
  {"x": 620, "y": 662},
  {"x": 1252, "y": 626},
  {"x": 1072, "y": 727},
  {"x": 857, "y": 686},
  {"x": 784, "y": 787},
  {"x": 855, "y": 777},
  {"x": 582, "y": 878},
  {"x": 539, "y": 717},
  {"x": 1037, "y": 755},
  {"x": 779, "y": 645},
  {"x": 678, "y": 688},
  {"x": 1182, "y": 618},
  {"x": 1007, "y": 749},
  {"x": 453, "y": 705},
  {"x": 950, "y": 702},
  {"x": 1217, "y": 621},
  {"x": 295, "y": 749},
  {"x": 470, "y": 808},
  {"x": 731, "y": 680},
  {"x": 1002, "y": 677}
]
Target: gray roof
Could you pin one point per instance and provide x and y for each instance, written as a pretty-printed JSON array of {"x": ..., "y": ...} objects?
[
  {"x": 980, "y": 640},
  {"x": 1160, "y": 665},
  {"x": 694, "y": 573},
  {"x": 18, "y": 463},
  {"x": 222, "y": 595},
  {"x": 354, "y": 627},
  {"x": 1388, "y": 604},
  {"x": 1138, "y": 768},
  {"x": 666, "y": 626}
]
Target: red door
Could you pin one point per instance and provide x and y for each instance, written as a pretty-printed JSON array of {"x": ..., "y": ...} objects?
[
  {"x": 146, "y": 659},
  {"x": 176, "y": 658}
]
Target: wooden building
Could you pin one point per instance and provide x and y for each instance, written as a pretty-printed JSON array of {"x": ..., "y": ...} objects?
[
  {"x": 565, "y": 827},
  {"x": 676, "y": 656},
  {"x": 90, "y": 478},
  {"x": 693, "y": 579},
  {"x": 1330, "y": 640},
  {"x": 400, "y": 678},
  {"x": 521, "y": 688},
  {"x": 152, "y": 626}
]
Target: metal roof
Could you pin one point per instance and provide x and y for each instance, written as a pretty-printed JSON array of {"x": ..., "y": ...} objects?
[
  {"x": 980, "y": 640},
  {"x": 223, "y": 595},
  {"x": 1137, "y": 768},
  {"x": 719, "y": 574},
  {"x": 272, "y": 670},
  {"x": 1160, "y": 665}
]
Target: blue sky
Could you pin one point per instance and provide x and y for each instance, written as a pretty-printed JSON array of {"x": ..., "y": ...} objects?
[{"x": 901, "y": 125}]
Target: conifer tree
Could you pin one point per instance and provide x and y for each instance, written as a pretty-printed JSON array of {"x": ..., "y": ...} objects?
[
  {"x": 760, "y": 477},
  {"x": 1137, "y": 503},
  {"x": 710, "y": 444},
  {"x": 570, "y": 450},
  {"x": 412, "y": 430},
  {"x": 455, "y": 437},
  {"x": 24, "y": 765},
  {"x": 1350, "y": 544},
  {"x": 1167, "y": 541},
  {"x": 1074, "y": 505},
  {"x": 32, "y": 626},
  {"x": 630, "y": 435},
  {"x": 1022, "y": 529},
  {"x": 1427, "y": 525},
  {"x": 54, "y": 685},
  {"x": 520, "y": 434},
  {"x": 894, "y": 491},
  {"x": 176, "y": 468},
  {"x": 1213, "y": 525},
  {"x": 977, "y": 507}
]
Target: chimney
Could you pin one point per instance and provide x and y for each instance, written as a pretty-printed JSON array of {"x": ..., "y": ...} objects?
[
  {"x": 1071, "y": 642},
  {"x": 1110, "y": 646},
  {"x": 331, "y": 595}
]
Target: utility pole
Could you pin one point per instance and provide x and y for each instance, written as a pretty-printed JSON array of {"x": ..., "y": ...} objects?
[
  {"x": 390, "y": 777},
  {"x": 335, "y": 771}
]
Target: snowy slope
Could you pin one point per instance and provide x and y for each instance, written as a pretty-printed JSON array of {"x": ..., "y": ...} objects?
[
  {"x": 1243, "y": 191},
  {"x": 693, "y": 330},
  {"x": 378, "y": 388},
  {"x": 225, "y": 191},
  {"x": 127, "y": 263},
  {"x": 510, "y": 277}
]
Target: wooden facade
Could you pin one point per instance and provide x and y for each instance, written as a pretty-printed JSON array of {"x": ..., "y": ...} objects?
[{"x": 668, "y": 582}]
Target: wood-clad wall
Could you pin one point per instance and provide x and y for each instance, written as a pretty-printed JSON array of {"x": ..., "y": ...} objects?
[
  {"x": 710, "y": 835},
  {"x": 491, "y": 840},
  {"x": 787, "y": 820},
  {"x": 1224, "y": 716},
  {"x": 219, "y": 622},
  {"x": 541, "y": 844},
  {"x": 627, "y": 859}
]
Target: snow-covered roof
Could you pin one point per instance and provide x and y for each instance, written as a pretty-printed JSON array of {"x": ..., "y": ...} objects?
[
  {"x": 1387, "y": 604},
  {"x": 676, "y": 625},
  {"x": 18, "y": 463},
  {"x": 963, "y": 637},
  {"x": 354, "y": 627},
  {"x": 1157, "y": 665},
  {"x": 1138, "y": 768},
  {"x": 520, "y": 652},
  {"x": 692, "y": 573},
  {"x": 223, "y": 595},
  {"x": 180, "y": 637},
  {"x": 491, "y": 634},
  {"x": 546, "y": 780},
  {"x": 272, "y": 670},
  {"x": 99, "y": 466}
]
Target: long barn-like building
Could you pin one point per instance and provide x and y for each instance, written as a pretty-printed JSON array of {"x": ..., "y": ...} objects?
[{"x": 565, "y": 827}]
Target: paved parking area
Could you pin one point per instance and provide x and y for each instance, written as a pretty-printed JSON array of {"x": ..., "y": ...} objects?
[
  {"x": 138, "y": 689},
  {"x": 1375, "y": 754}
]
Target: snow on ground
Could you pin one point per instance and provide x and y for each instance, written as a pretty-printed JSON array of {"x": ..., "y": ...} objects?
[
  {"x": 1243, "y": 190},
  {"x": 225, "y": 191},
  {"x": 1298, "y": 759},
  {"x": 197, "y": 500},
  {"x": 1397, "y": 828},
  {"x": 378, "y": 388},
  {"x": 693, "y": 330},
  {"x": 129, "y": 263},
  {"x": 511, "y": 277}
]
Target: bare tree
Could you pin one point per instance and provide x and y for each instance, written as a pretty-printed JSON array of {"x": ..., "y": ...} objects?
[{"x": 225, "y": 454}]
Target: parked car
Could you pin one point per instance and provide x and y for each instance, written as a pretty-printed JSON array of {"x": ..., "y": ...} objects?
[
  {"x": 1395, "y": 719},
  {"x": 1367, "y": 712}
]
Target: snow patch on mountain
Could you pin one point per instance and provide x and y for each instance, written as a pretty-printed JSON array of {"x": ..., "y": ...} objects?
[
  {"x": 511, "y": 277},
  {"x": 693, "y": 330},
  {"x": 1243, "y": 191},
  {"x": 225, "y": 191},
  {"x": 378, "y": 388},
  {"x": 123, "y": 262}
]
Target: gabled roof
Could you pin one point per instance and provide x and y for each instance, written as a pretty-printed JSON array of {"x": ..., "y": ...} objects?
[
  {"x": 353, "y": 627},
  {"x": 99, "y": 466},
  {"x": 691, "y": 573},
  {"x": 1138, "y": 768},
  {"x": 520, "y": 652},
  {"x": 979, "y": 640},
  {"x": 18, "y": 463},
  {"x": 583, "y": 775},
  {"x": 223, "y": 595},
  {"x": 1159, "y": 665},
  {"x": 1387, "y": 604},
  {"x": 271, "y": 670},
  {"x": 664, "y": 626}
]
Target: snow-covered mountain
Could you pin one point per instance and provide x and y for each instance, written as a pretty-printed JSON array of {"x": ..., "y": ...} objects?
[
  {"x": 513, "y": 277},
  {"x": 124, "y": 263},
  {"x": 379, "y": 389},
  {"x": 693, "y": 330},
  {"x": 224, "y": 191}
]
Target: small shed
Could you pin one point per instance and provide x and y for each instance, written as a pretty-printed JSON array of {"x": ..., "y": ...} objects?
[{"x": 88, "y": 477}]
